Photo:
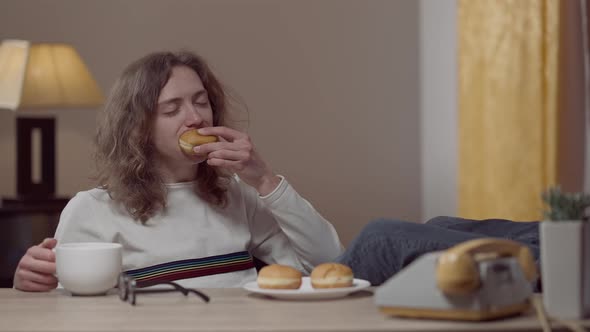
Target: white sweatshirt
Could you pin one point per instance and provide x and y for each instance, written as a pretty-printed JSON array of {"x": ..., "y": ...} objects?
[{"x": 199, "y": 245}]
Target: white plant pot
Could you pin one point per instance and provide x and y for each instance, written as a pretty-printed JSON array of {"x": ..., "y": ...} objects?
[{"x": 565, "y": 268}]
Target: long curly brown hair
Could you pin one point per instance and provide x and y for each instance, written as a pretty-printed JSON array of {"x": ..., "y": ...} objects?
[{"x": 124, "y": 155}]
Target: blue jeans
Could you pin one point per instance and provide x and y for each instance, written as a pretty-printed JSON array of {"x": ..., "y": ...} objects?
[{"x": 385, "y": 246}]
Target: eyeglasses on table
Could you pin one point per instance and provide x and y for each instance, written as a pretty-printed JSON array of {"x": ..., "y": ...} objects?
[{"x": 128, "y": 289}]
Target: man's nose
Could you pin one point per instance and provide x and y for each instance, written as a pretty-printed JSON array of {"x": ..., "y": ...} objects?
[{"x": 192, "y": 116}]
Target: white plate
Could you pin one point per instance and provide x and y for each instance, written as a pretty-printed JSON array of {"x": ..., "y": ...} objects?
[{"x": 306, "y": 292}]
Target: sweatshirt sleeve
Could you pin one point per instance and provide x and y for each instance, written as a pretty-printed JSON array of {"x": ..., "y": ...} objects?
[
  {"x": 286, "y": 229},
  {"x": 78, "y": 221}
]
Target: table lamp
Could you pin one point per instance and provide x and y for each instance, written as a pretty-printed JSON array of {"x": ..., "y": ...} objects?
[{"x": 37, "y": 78}]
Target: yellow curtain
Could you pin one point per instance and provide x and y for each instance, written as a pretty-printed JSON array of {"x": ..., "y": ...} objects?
[{"x": 508, "y": 57}]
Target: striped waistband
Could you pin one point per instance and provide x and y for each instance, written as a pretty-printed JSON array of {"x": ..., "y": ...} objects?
[{"x": 192, "y": 268}]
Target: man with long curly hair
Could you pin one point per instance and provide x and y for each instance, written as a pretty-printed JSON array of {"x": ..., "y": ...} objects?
[{"x": 166, "y": 208}]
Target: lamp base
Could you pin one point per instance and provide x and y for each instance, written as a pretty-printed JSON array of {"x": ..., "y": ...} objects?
[{"x": 25, "y": 184}]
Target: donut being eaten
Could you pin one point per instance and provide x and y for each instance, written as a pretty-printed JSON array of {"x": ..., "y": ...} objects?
[{"x": 191, "y": 138}]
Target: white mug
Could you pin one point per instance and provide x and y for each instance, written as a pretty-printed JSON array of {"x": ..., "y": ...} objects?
[{"x": 88, "y": 268}]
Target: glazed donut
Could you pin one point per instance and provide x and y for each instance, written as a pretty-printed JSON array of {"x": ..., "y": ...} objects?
[
  {"x": 191, "y": 138},
  {"x": 331, "y": 275},
  {"x": 277, "y": 276}
]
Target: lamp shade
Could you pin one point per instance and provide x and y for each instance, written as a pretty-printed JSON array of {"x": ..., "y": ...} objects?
[{"x": 45, "y": 76}]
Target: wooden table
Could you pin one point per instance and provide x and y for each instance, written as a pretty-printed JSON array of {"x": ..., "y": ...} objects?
[{"x": 230, "y": 309}]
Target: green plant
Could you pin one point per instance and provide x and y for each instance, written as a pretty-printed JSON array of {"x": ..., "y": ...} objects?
[{"x": 564, "y": 205}]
